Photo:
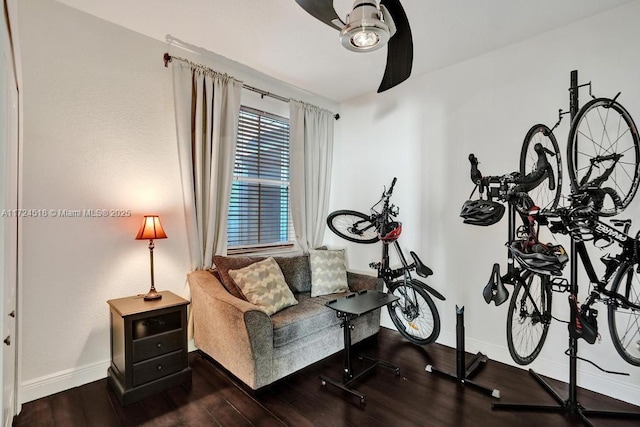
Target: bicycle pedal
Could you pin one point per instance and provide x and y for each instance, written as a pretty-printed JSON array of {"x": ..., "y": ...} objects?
[{"x": 374, "y": 265}]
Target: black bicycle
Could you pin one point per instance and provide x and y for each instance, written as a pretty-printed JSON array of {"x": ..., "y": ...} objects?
[
  {"x": 622, "y": 272},
  {"x": 603, "y": 153},
  {"x": 537, "y": 183},
  {"x": 415, "y": 314}
]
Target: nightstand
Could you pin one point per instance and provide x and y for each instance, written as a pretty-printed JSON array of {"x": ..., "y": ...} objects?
[{"x": 148, "y": 346}]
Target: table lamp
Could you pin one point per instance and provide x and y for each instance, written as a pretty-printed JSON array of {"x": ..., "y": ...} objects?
[{"x": 151, "y": 229}]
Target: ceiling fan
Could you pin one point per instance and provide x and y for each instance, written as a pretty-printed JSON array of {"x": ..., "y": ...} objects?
[{"x": 368, "y": 27}]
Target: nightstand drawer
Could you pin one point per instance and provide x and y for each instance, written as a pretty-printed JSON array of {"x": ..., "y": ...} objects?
[
  {"x": 154, "y": 325},
  {"x": 157, "y": 367},
  {"x": 157, "y": 345}
]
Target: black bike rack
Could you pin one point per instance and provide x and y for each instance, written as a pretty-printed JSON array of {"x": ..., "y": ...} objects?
[
  {"x": 465, "y": 372},
  {"x": 569, "y": 406}
]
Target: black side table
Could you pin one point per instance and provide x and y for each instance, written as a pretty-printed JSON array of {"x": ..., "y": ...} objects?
[
  {"x": 348, "y": 308},
  {"x": 148, "y": 346}
]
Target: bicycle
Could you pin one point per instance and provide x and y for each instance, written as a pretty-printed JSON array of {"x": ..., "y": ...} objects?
[
  {"x": 529, "y": 314},
  {"x": 622, "y": 271},
  {"x": 415, "y": 314}
]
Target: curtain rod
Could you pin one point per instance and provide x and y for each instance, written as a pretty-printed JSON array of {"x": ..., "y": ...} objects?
[{"x": 168, "y": 58}]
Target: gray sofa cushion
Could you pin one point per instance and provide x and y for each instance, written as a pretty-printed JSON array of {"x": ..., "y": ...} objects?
[
  {"x": 296, "y": 271},
  {"x": 306, "y": 318}
]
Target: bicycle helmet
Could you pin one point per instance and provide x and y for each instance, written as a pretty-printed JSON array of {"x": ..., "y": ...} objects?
[
  {"x": 543, "y": 259},
  {"x": 481, "y": 212},
  {"x": 391, "y": 232}
]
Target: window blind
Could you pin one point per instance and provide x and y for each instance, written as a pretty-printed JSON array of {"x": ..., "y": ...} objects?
[{"x": 259, "y": 213}]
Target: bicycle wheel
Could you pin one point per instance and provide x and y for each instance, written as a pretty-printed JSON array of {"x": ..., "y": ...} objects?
[
  {"x": 529, "y": 317},
  {"x": 624, "y": 321},
  {"x": 353, "y": 226},
  {"x": 414, "y": 314},
  {"x": 547, "y": 193},
  {"x": 604, "y": 152}
]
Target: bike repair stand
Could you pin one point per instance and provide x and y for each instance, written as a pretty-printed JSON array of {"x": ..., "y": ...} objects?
[
  {"x": 464, "y": 373},
  {"x": 570, "y": 406}
]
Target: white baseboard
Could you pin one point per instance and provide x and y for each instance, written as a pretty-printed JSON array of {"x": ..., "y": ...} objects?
[
  {"x": 60, "y": 381},
  {"x": 69, "y": 378}
]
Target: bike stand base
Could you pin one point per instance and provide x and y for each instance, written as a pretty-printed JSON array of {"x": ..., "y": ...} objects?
[
  {"x": 465, "y": 372},
  {"x": 567, "y": 407}
]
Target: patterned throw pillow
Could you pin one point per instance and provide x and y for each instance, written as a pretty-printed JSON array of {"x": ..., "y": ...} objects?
[
  {"x": 263, "y": 284},
  {"x": 328, "y": 273}
]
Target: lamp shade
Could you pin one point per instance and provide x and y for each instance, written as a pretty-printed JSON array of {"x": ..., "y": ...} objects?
[{"x": 151, "y": 228}]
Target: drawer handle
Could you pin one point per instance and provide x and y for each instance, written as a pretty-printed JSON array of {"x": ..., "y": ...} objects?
[
  {"x": 7, "y": 340},
  {"x": 159, "y": 345},
  {"x": 159, "y": 367},
  {"x": 12, "y": 314}
]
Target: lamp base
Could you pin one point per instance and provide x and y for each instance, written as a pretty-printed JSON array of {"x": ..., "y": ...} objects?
[{"x": 152, "y": 295}]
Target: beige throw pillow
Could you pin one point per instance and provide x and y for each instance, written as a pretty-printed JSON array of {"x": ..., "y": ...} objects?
[
  {"x": 328, "y": 273},
  {"x": 263, "y": 284}
]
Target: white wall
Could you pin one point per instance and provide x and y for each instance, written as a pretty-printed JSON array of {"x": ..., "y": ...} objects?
[
  {"x": 99, "y": 133},
  {"x": 422, "y": 132}
]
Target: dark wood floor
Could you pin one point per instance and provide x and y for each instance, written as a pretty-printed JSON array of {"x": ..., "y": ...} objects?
[{"x": 415, "y": 398}]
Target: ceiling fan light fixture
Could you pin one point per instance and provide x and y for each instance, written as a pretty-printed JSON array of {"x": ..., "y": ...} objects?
[
  {"x": 364, "y": 39},
  {"x": 365, "y": 30}
]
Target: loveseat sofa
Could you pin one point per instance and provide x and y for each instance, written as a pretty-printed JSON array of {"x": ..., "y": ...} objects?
[{"x": 258, "y": 348}]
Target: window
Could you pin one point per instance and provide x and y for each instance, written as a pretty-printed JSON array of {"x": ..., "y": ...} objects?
[{"x": 259, "y": 214}]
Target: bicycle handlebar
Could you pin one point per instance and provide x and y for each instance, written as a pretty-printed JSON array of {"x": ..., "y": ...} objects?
[{"x": 515, "y": 184}]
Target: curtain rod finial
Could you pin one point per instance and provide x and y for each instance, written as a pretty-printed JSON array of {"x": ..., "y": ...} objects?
[{"x": 167, "y": 59}]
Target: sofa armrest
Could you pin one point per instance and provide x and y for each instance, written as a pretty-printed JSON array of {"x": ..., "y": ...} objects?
[
  {"x": 232, "y": 331},
  {"x": 359, "y": 282}
]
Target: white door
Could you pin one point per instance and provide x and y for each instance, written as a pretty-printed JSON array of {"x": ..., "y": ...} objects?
[{"x": 8, "y": 224}]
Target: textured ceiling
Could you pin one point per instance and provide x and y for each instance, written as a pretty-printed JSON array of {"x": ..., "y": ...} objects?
[{"x": 278, "y": 38}]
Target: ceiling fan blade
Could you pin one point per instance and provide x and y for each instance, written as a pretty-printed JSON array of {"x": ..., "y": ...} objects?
[
  {"x": 399, "y": 48},
  {"x": 322, "y": 10}
]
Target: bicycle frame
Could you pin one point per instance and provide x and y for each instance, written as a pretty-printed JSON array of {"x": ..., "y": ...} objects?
[
  {"x": 630, "y": 249},
  {"x": 379, "y": 220}
]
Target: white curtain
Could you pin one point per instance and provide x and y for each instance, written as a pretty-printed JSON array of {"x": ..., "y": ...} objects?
[
  {"x": 311, "y": 151},
  {"x": 207, "y": 109}
]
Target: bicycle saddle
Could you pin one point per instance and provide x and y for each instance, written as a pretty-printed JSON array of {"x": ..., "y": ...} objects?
[
  {"x": 421, "y": 269},
  {"x": 495, "y": 290},
  {"x": 583, "y": 323}
]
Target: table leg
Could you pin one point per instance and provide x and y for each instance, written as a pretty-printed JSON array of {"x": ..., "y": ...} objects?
[{"x": 347, "y": 373}]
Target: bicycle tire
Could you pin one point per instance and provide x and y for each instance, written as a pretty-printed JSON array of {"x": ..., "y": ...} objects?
[
  {"x": 624, "y": 323},
  {"x": 542, "y": 196},
  {"x": 589, "y": 138},
  {"x": 418, "y": 322},
  {"x": 527, "y": 330},
  {"x": 353, "y": 226}
]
